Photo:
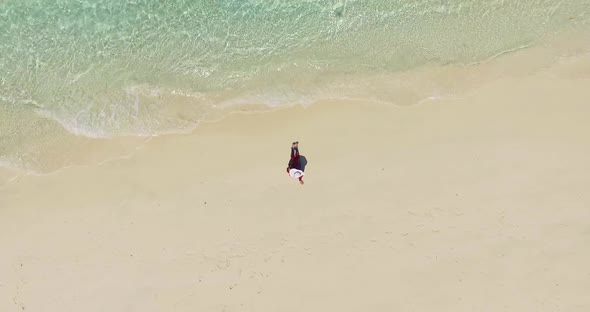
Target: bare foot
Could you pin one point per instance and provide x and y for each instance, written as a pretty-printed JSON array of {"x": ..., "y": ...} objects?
[{"x": 301, "y": 182}]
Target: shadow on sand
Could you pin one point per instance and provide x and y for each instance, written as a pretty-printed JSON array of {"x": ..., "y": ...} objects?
[{"x": 302, "y": 162}]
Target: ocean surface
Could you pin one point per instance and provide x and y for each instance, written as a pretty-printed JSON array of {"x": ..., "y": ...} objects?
[{"x": 108, "y": 68}]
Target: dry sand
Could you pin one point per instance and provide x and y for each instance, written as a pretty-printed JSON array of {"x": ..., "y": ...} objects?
[{"x": 479, "y": 202}]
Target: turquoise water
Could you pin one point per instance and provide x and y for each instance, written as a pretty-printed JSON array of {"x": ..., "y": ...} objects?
[{"x": 106, "y": 68}]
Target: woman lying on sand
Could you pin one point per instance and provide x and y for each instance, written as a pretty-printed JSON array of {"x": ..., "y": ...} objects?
[{"x": 294, "y": 168}]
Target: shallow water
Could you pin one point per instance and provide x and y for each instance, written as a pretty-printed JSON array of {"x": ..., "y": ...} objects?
[{"x": 105, "y": 68}]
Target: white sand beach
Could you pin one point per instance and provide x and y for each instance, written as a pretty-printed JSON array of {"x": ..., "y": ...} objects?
[{"x": 472, "y": 202}]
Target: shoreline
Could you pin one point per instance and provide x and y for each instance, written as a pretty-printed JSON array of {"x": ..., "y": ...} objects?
[
  {"x": 473, "y": 202},
  {"x": 406, "y": 88}
]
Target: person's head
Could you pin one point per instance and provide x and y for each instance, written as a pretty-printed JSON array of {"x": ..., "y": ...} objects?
[{"x": 296, "y": 144}]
